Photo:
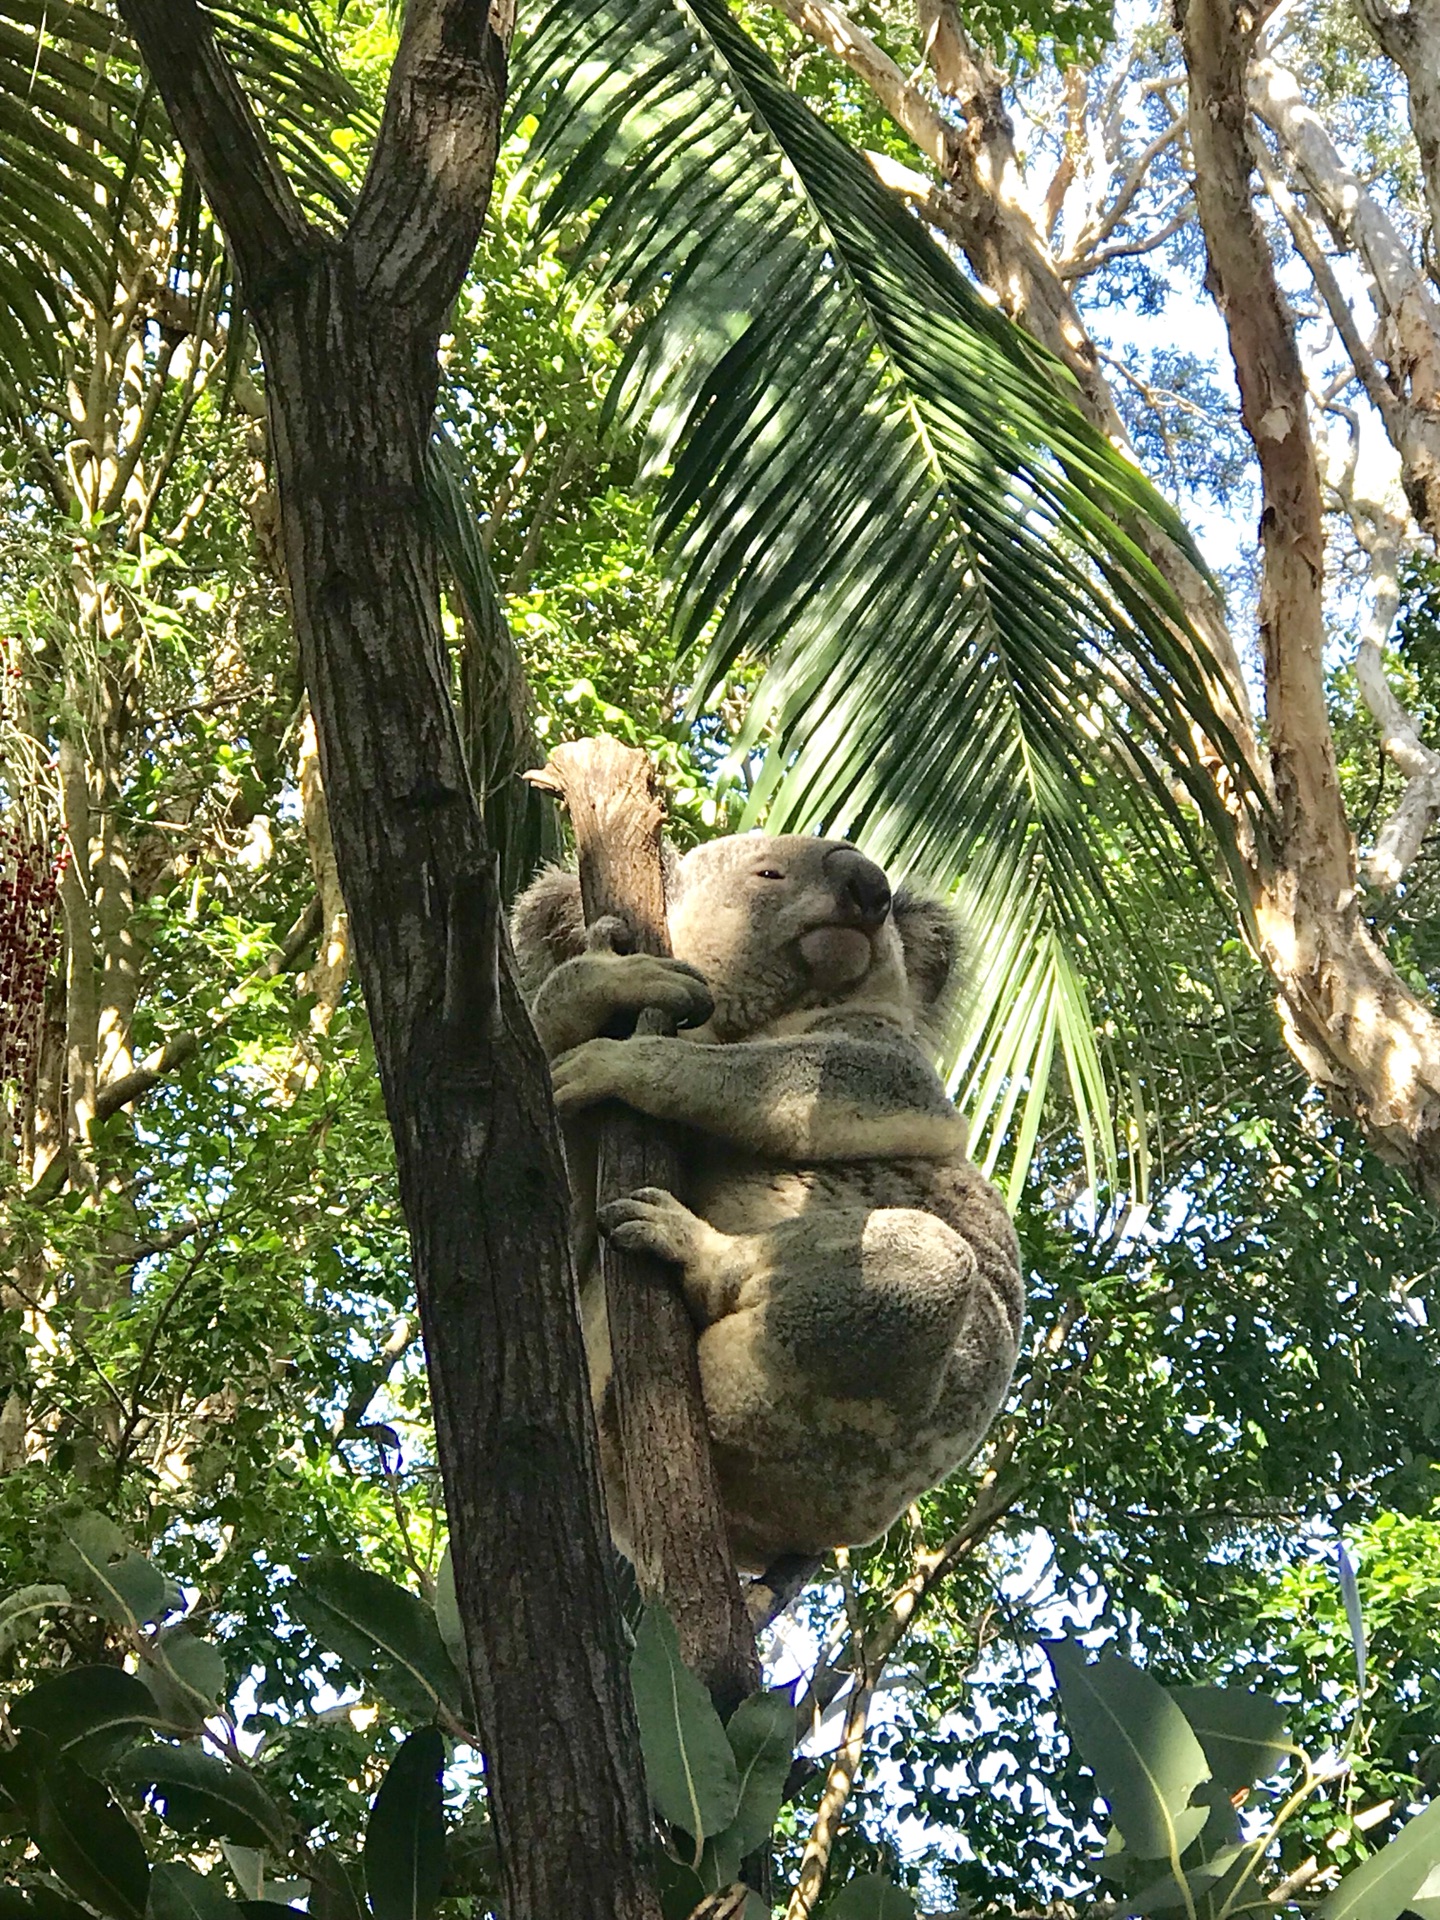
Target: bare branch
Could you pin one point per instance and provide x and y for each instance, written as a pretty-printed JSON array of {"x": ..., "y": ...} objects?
[
  {"x": 255, "y": 204},
  {"x": 423, "y": 202}
]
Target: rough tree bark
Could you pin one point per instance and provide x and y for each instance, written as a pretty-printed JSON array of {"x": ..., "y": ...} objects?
[
  {"x": 677, "y": 1521},
  {"x": 349, "y": 326}
]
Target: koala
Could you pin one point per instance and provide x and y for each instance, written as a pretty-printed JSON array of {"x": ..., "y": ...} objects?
[{"x": 853, "y": 1279}]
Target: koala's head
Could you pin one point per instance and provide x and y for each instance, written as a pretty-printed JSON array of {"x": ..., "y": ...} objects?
[{"x": 782, "y": 923}]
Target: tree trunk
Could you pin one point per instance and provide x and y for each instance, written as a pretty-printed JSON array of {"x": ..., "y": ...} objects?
[
  {"x": 349, "y": 330},
  {"x": 1351, "y": 1020},
  {"x": 676, "y": 1518}
]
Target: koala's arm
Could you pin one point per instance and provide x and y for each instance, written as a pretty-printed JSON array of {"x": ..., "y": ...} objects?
[{"x": 824, "y": 1096}]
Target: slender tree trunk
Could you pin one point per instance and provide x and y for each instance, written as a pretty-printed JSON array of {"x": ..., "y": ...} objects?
[
  {"x": 349, "y": 330},
  {"x": 673, "y": 1505}
]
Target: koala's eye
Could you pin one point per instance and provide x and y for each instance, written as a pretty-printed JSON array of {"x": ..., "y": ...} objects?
[{"x": 768, "y": 873}]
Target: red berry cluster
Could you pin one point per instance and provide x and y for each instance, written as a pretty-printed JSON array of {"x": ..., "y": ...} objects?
[{"x": 29, "y": 943}]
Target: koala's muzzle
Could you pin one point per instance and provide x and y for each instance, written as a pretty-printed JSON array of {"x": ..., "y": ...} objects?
[{"x": 838, "y": 953}]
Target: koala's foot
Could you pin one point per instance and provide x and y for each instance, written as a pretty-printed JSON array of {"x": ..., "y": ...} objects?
[
  {"x": 713, "y": 1265},
  {"x": 650, "y": 1220}
]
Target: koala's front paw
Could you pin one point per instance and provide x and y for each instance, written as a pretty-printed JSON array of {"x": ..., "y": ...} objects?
[
  {"x": 602, "y": 992},
  {"x": 594, "y": 1071},
  {"x": 630, "y": 982},
  {"x": 650, "y": 1220}
]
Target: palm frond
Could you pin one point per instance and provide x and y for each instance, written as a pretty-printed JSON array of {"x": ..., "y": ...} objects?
[
  {"x": 84, "y": 145},
  {"x": 880, "y": 488},
  {"x": 495, "y": 714}
]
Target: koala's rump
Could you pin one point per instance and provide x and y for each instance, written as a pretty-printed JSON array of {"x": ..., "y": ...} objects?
[
  {"x": 806, "y": 1461},
  {"x": 803, "y": 1472}
]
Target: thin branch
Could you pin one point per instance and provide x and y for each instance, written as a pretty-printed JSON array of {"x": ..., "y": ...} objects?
[
  {"x": 1076, "y": 270},
  {"x": 1129, "y": 188},
  {"x": 1328, "y": 287}
]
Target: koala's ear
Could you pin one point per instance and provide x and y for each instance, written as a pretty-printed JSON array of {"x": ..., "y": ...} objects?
[
  {"x": 929, "y": 932},
  {"x": 547, "y": 925}
]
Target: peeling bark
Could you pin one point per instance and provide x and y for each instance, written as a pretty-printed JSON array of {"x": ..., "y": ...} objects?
[
  {"x": 1349, "y": 1018},
  {"x": 1410, "y": 36},
  {"x": 1408, "y": 305}
]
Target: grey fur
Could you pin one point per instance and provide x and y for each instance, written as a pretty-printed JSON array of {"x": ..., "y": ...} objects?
[{"x": 855, "y": 1281}]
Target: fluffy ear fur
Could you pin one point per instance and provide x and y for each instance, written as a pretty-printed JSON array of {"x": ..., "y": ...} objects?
[
  {"x": 929, "y": 932},
  {"x": 547, "y": 925}
]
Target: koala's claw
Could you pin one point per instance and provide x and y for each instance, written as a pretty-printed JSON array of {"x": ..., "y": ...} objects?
[
  {"x": 650, "y": 1220},
  {"x": 674, "y": 986},
  {"x": 611, "y": 933}
]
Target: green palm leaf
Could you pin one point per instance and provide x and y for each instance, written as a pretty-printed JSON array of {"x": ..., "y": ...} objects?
[{"x": 880, "y": 488}]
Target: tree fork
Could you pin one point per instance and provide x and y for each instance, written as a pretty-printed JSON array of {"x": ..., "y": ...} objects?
[{"x": 677, "y": 1519}]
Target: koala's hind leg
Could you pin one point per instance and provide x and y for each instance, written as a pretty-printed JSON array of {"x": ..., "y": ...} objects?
[
  {"x": 850, "y": 1304},
  {"x": 714, "y": 1266}
]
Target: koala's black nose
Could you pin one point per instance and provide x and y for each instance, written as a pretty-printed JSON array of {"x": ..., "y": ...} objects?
[{"x": 861, "y": 888}]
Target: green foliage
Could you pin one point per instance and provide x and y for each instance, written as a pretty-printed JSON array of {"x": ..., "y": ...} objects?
[
  {"x": 106, "y": 1803},
  {"x": 1146, "y": 1758},
  {"x": 405, "y": 1837},
  {"x": 690, "y": 1768}
]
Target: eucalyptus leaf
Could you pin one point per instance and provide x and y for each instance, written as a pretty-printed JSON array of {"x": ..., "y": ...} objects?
[
  {"x": 97, "y": 1561},
  {"x": 1354, "y": 1612},
  {"x": 22, "y": 1611},
  {"x": 39, "y": 1903},
  {"x": 1145, "y": 1757},
  {"x": 248, "y": 1866},
  {"x": 447, "y": 1612},
  {"x": 200, "y": 1793},
  {"x": 186, "y": 1675},
  {"x": 334, "y": 1893},
  {"x": 178, "y": 1892},
  {"x": 679, "y": 1886},
  {"x": 389, "y": 1634},
  {"x": 1382, "y": 1887},
  {"x": 690, "y": 1767},
  {"x": 1167, "y": 1891},
  {"x": 1243, "y": 1734},
  {"x": 405, "y": 1835},
  {"x": 761, "y": 1732},
  {"x": 84, "y": 1837},
  {"x": 95, "y": 1710},
  {"x": 871, "y": 1896}
]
